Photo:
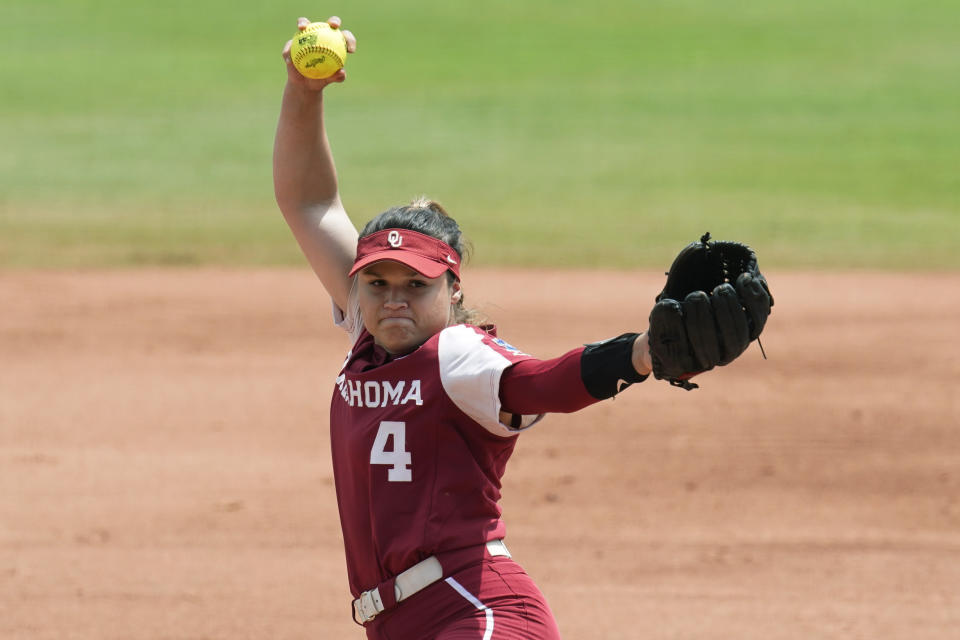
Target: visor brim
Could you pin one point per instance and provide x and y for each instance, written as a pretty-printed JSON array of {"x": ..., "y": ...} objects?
[{"x": 421, "y": 264}]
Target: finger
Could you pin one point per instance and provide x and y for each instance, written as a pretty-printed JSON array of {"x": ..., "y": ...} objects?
[
  {"x": 350, "y": 39},
  {"x": 731, "y": 322},
  {"x": 334, "y": 22},
  {"x": 755, "y": 300},
  {"x": 669, "y": 350},
  {"x": 339, "y": 76},
  {"x": 303, "y": 23},
  {"x": 701, "y": 329},
  {"x": 766, "y": 287},
  {"x": 286, "y": 50}
]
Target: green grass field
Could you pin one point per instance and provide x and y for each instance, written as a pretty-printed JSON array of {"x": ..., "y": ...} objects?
[{"x": 558, "y": 133}]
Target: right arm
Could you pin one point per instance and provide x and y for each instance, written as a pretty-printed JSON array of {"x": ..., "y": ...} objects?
[{"x": 305, "y": 179}]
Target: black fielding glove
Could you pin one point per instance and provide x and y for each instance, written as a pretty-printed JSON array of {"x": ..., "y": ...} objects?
[{"x": 714, "y": 304}]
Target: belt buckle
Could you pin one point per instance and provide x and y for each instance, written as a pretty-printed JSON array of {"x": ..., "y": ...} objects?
[{"x": 365, "y": 607}]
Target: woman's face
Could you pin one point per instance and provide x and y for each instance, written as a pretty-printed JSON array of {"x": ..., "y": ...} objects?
[{"x": 402, "y": 308}]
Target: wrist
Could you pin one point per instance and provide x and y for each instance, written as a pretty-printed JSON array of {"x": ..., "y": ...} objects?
[
  {"x": 302, "y": 91},
  {"x": 607, "y": 368},
  {"x": 641, "y": 355}
]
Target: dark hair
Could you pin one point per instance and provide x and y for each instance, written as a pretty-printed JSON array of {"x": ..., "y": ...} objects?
[
  {"x": 424, "y": 216},
  {"x": 429, "y": 218}
]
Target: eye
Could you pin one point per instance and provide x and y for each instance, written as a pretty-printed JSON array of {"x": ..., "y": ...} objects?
[
  {"x": 416, "y": 284},
  {"x": 376, "y": 282}
]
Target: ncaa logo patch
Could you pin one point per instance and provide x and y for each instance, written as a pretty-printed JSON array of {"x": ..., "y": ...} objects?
[{"x": 506, "y": 346}]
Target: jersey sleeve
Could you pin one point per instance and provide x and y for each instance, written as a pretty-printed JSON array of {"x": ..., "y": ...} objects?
[
  {"x": 546, "y": 386},
  {"x": 471, "y": 364}
]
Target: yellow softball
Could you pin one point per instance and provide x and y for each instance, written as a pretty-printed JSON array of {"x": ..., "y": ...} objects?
[{"x": 318, "y": 51}]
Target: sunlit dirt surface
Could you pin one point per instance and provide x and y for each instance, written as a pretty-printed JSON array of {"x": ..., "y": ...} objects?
[{"x": 165, "y": 472}]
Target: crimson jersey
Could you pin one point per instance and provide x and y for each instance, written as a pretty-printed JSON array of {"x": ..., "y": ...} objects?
[{"x": 419, "y": 446}]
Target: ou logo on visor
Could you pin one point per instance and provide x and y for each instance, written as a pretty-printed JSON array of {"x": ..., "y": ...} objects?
[{"x": 395, "y": 239}]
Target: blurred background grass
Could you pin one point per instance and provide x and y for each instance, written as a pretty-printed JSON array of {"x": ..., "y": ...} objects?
[{"x": 610, "y": 133}]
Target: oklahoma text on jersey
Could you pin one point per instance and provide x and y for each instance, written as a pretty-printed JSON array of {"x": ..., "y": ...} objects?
[{"x": 379, "y": 393}]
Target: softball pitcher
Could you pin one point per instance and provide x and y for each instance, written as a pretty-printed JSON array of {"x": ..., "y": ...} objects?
[{"x": 428, "y": 405}]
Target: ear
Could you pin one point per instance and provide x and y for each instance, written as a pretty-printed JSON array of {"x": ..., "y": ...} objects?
[{"x": 456, "y": 293}]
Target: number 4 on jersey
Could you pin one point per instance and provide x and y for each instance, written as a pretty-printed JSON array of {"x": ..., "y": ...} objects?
[{"x": 398, "y": 458}]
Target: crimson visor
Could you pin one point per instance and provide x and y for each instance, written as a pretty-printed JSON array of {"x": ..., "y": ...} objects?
[{"x": 422, "y": 253}]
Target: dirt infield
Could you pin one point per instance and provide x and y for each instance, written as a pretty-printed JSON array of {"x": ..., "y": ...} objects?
[{"x": 165, "y": 473}]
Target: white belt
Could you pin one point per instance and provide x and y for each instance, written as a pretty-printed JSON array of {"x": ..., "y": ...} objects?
[{"x": 414, "y": 579}]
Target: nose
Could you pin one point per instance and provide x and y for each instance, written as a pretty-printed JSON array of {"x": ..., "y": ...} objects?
[{"x": 395, "y": 298}]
